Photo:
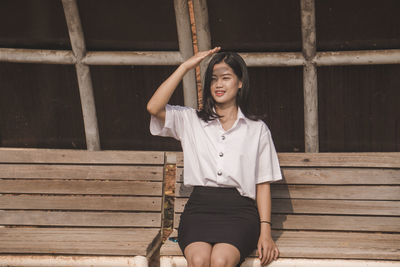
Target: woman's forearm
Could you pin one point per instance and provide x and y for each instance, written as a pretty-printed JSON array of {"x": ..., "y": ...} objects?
[
  {"x": 157, "y": 103},
  {"x": 264, "y": 206}
]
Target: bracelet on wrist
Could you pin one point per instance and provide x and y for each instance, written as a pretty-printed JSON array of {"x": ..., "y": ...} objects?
[{"x": 266, "y": 222}]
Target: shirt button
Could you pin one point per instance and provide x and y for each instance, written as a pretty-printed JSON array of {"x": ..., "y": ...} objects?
[
  {"x": 221, "y": 154},
  {"x": 219, "y": 173},
  {"x": 223, "y": 137}
]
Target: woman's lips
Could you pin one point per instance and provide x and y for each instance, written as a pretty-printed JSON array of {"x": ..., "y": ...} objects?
[{"x": 219, "y": 93}]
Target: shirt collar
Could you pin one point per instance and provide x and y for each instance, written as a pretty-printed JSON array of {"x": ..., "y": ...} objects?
[{"x": 240, "y": 116}]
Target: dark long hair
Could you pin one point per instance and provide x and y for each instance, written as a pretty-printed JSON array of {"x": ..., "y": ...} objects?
[{"x": 239, "y": 67}]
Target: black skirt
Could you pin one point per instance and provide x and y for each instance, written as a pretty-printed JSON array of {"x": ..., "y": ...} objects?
[{"x": 220, "y": 215}]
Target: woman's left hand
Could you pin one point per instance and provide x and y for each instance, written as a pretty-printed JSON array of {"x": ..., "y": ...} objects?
[{"x": 267, "y": 250}]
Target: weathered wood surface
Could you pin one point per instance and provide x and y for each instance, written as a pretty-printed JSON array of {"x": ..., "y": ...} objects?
[
  {"x": 361, "y": 192},
  {"x": 337, "y": 58},
  {"x": 132, "y": 58},
  {"x": 295, "y": 175},
  {"x": 131, "y": 188},
  {"x": 37, "y": 56},
  {"x": 316, "y": 244},
  {"x": 364, "y": 159},
  {"x": 18, "y": 155},
  {"x": 87, "y": 241},
  {"x": 370, "y": 159},
  {"x": 80, "y": 202},
  {"x": 83, "y": 219},
  {"x": 86, "y": 203},
  {"x": 322, "y": 206},
  {"x": 98, "y": 172},
  {"x": 329, "y": 223}
]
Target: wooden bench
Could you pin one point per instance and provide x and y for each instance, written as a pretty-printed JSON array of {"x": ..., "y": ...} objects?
[
  {"x": 331, "y": 209},
  {"x": 71, "y": 203}
]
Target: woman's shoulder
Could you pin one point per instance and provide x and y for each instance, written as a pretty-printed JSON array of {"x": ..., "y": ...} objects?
[
  {"x": 179, "y": 108},
  {"x": 181, "y": 111},
  {"x": 259, "y": 124}
]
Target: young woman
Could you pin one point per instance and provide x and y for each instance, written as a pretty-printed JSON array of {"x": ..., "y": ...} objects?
[{"x": 229, "y": 159}]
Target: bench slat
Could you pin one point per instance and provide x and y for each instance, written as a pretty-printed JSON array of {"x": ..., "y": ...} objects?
[
  {"x": 45, "y": 202},
  {"x": 98, "y": 172},
  {"x": 316, "y": 244},
  {"x": 322, "y": 191},
  {"x": 384, "y": 192},
  {"x": 331, "y": 223},
  {"x": 81, "y": 187},
  {"x": 317, "y": 206},
  {"x": 87, "y": 241},
  {"x": 28, "y": 155},
  {"x": 333, "y": 176},
  {"x": 101, "y": 219},
  {"x": 361, "y": 159},
  {"x": 341, "y": 176}
]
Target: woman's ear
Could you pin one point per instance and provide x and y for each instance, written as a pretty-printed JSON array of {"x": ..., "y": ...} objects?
[{"x": 240, "y": 84}]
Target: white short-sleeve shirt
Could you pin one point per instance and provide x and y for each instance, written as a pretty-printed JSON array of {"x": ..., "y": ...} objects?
[{"x": 241, "y": 157}]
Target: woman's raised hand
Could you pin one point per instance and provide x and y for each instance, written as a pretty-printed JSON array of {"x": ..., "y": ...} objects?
[{"x": 197, "y": 58}]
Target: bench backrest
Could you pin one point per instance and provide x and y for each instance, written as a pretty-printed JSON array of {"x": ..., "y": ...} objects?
[
  {"x": 331, "y": 205},
  {"x": 68, "y": 197}
]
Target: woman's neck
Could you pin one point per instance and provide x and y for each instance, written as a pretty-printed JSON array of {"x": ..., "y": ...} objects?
[{"x": 227, "y": 112}]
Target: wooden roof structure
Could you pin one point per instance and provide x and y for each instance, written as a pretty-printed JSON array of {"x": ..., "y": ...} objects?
[{"x": 309, "y": 58}]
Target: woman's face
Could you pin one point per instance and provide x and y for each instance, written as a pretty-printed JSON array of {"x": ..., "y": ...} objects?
[{"x": 224, "y": 84}]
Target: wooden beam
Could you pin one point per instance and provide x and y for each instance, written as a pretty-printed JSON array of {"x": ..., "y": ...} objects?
[
  {"x": 280, "y": 59},
  {"x": 83, "y": 72},
  {"x": 309, "y": 77},
  {"x": 37, "y": 56},
  {"x": 186, "y": 49},
  {"x": 358, "y": 57},
  {"x": 133, "y": 58}
]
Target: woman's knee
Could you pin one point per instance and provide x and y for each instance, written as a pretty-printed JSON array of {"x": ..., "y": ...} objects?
[
  {"x": 198, "y": 254},
  {"x": 199, "y": 260},
  {"x": 220, "y": 261},
  {"x": 224, "y": 255}
]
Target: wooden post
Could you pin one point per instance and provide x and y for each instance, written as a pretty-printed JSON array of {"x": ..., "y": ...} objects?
[
  {"x": 309, "y": 77},
  {"x": 203, "y": 31},
  {"x": 83, "y": 73},
  {"x": 186, "y": 49}
]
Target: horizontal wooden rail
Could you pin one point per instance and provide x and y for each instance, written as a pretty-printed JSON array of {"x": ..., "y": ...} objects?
[
  {"x": 133, "y": 58},
  {"x": 37, "y": 56},
  {"x": 254, "y": 59}
]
